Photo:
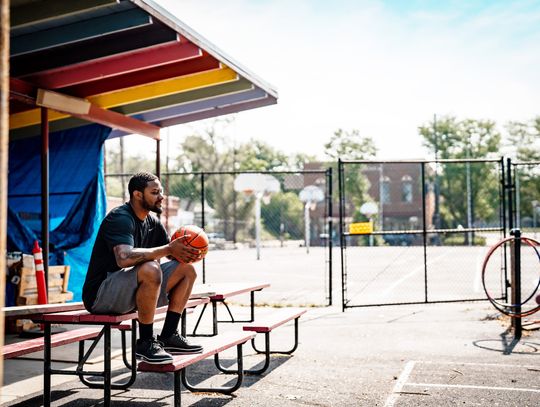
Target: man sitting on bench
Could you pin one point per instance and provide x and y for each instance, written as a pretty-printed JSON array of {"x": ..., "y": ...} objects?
[{"x": 124, "y": 273}]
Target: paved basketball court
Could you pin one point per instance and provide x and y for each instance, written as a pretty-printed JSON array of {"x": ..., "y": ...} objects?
[{"x": 393, "y": 356}]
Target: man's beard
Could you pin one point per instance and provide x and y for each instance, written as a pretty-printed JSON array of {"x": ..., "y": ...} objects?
[{"x": 153, "y": 208}]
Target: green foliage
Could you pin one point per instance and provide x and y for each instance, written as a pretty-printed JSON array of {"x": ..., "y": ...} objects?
[
  {"x": 460, "y": 239},
  {"x": 453, "y": 139},
  {"x": 350, "y": 145},
  {"x": 287, "y": 209},
  {"x": 525, "y": 137}
]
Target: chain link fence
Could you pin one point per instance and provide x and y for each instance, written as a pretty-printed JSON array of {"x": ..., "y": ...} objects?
[
  {"x": 526, "y": 180},
  {"x": 417, "y": 231},
  {"x": 254, "y": 234}
]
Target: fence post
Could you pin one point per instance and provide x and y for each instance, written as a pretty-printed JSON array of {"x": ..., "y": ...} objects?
[
  {"x": 329, "y": 198},
  {"x": 203, "y": 199},
  {"x": 516, "y": 280},
  {"x": 424, "y": 230},
  {"x": 341, "y": 237}
]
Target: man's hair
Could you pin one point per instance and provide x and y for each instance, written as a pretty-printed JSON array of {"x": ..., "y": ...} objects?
[{"x": 140, "y": 181}]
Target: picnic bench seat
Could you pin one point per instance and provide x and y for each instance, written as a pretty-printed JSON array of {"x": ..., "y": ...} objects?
[
  {"x": 106, "y": 323},
  {"x": 220, "y": 292},
  {"x": 14, "y": 350},
  {"x": 266, "y": 325},
  {"x": 212, "y": 346}
]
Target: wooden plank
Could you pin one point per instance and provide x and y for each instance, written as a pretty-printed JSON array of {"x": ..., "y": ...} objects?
[
  {"x": 135, "y": 108},
  {"x": 32, "y": 12},
  {"x": 113, "y": 65},
  {"x": 201, "y": 105},
  {"x": 38, "y": 344},
  {"x": 211, "y": 346},
  {"x": 225, "y": 290},
  {"x": 141, "y": 77},
  {"x": 52, "y": 298},
  {"x": 134, "y": 94},
  {"x": 99, "y": 47},
  {"x": 78, "y": 31},
  {"x": 274, "y": 320},
  {"x": 220, "y": 111},
  {"x": 27, "y": 311}
]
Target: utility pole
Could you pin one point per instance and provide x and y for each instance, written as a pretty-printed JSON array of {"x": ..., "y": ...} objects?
[{"x": 437, "y": 216}]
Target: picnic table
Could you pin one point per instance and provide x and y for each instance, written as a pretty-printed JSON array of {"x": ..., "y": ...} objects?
[{"x": 219, "y": 293}]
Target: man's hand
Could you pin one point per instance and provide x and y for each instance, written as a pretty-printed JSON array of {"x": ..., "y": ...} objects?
[{"x": 183, "y": 253}]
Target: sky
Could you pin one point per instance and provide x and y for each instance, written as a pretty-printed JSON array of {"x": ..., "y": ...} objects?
[{"x": 380, "y": 66}]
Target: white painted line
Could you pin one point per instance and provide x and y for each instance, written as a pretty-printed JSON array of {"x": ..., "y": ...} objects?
[
  {"x": 433, "y": 362},
  {"x": 466, "y": 386},
  {"x": 391, "y": 400},
  {"x": 386, "y": 293}
]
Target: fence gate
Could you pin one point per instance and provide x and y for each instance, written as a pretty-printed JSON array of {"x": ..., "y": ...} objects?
[
  {"x": 525, "y": 178},
  {"x": 417, "y": 231}
]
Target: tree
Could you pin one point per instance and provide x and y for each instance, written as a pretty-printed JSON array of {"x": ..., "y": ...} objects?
[
  {"x": 524, "y": 138},
  {"x": 350, "y": 145},
  {"x": 466, "y": 189}
]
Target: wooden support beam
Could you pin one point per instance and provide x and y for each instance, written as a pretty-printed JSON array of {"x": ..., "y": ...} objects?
[
  {"x": 4, "y": 148},
  {"x": 144, "y": 106},
  {"x": 83, "y": 109}
]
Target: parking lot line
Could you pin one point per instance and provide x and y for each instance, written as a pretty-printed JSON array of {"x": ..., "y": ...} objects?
[
  {"x": 467, "y": 386},
  {"x": 403, "y": 377}
]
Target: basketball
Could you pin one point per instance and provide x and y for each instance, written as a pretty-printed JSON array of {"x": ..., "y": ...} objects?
[{"x": 197, "y": 238}]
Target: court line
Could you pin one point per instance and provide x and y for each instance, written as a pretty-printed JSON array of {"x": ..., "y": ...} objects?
[
  {"x": 391, "y": 400},
  {"x": 391, "y": 288},
  {"x": 476, "y": 364},
  {"x": 468, "y": 386}
]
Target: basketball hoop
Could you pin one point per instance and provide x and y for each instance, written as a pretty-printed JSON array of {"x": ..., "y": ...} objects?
[{"x": 248, "y": 193}]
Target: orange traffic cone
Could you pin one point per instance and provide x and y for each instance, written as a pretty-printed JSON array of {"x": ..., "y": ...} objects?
[{"x": 40, "y": 274}]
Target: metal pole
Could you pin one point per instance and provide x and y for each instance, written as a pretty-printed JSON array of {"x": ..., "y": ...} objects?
[
  {"x": 469, "y": 204},
  {"x": 518, "y": 199},
  {"x": 341, "y": 237},
  {"x": 45, "y": 192},
  {"x": 306, "y": 224},
  {"x": 510, "y": 189},
  {"x": 516, "y": 280},
  {"x": 4, "y": 147},
  {"x": 158, "y": 158},
  {"x": 203, "y": 199},
  {"x": 258, "y": 197},
  {"x": 424, "y": 230},
  {"x": 330, "y": 231},
  {"x": 437, "y": 220}
]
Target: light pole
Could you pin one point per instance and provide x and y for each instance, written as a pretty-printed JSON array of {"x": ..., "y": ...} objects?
[{"x": 535, "y": 209}]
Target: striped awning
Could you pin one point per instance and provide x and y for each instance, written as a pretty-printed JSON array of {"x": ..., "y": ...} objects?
[{"x": 126, "y": 63}]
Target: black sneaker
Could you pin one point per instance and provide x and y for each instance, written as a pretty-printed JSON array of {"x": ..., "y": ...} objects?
[
  {"x": 176, "y": 344},
  {"x": 151, "y": 351}
]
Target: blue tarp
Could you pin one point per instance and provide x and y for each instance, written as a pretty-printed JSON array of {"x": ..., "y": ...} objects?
[{"x": 77, "y": 201}]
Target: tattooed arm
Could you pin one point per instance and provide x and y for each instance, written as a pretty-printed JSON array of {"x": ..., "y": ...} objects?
[{"x": 128, "y": 256}]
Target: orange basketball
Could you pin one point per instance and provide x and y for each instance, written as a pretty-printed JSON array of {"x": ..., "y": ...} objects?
[{"x": 197, "y": 238}]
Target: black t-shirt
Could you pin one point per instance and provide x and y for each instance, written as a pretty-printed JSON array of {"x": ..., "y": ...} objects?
[{"x": 120, "y": 226}]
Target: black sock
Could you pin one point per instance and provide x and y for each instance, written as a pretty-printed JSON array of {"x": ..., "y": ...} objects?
[
  {"x": 146, "y": 331},
  {"x": 171, "y": 323}
]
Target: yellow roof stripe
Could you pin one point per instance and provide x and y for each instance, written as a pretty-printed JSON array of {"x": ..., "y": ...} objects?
[{"x": 134, "y": 94}]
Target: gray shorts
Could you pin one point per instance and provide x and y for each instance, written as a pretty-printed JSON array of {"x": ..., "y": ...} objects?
[{"x": 116, "y": 294}]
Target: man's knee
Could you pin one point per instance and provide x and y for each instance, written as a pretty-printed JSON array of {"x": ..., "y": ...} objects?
[
  {"x": 188, "y": 271},
  {"x": 150, "y": 273}
]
